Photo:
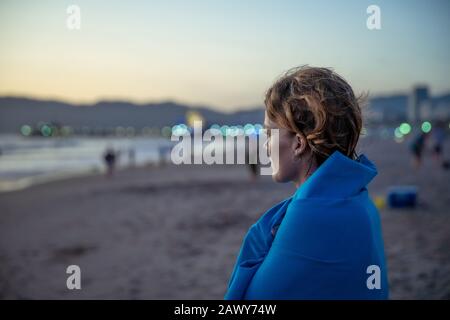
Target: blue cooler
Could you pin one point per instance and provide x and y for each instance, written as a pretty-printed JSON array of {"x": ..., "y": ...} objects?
[{"x": 402, "y": 196}]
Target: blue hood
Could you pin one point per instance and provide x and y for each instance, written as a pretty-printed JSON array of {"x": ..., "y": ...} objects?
[
  {"x": 338, "y": 177},
  {"x": 318, "y": 243}
]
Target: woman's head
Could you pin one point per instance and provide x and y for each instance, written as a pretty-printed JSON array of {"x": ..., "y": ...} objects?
[{"x": 317, "y": 113}]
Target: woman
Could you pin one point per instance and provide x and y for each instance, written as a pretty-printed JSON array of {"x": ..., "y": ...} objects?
[{"x": 324, "y": 242}]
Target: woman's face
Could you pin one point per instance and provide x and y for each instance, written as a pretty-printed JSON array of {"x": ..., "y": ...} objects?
[{"x": 287, "y": 165}]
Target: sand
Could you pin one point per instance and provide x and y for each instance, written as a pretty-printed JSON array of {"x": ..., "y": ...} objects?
[{"x": 173, "y": 232}]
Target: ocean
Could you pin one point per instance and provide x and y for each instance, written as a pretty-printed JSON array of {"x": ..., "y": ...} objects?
[{"x": 29, "y": 160}]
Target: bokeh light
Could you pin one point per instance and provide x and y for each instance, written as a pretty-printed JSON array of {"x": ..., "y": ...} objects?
[
  {"x": 224, "y": 130},
  {"x": 258, "y": 128},
  {"x": 26, "y": 130},
  {"x": 166, "y": 131},
  {"x": 397, "y": 133},
  {"x": 426, "y": 126},
  {"x": 46, "y": 130},
  {"x": 405, "y": 128},
  {"x": 249, "y": 129},
  {"x": 180, "y": 129}
]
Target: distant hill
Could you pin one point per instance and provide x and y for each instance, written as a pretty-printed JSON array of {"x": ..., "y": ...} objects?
[{"x": 17, "y": 111}]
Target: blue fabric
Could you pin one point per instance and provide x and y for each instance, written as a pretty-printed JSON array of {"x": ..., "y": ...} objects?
[{"x": 318, "y": 243}]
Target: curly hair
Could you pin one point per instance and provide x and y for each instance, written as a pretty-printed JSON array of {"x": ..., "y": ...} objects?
[{"x": 319, "y": 105}]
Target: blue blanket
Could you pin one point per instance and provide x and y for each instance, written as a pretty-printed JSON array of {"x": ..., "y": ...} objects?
[{"x": 324, "y": 242}]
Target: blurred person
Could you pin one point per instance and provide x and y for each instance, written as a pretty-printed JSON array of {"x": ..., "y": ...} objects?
[
  {"x": 163, "y": 154},
  {"x": 131, "y": 157},
  {"x": 325, "y": 240},
  {"x": 252, "y": 157},
  {"x": 110, "y": 158},
  {"x": 253, "y": 169},
  {"x": 438, "y": 143},
  {"x": 417, "y": 147}
]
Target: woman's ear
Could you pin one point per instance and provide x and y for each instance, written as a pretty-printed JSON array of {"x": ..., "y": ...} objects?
[{"x": 299, "y": 145}]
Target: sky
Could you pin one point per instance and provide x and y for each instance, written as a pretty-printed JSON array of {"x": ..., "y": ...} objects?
[{"x": 222, "y": 54}]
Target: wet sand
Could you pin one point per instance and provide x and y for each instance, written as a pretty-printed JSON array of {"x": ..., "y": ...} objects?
[{"x": 173, "y": 232}]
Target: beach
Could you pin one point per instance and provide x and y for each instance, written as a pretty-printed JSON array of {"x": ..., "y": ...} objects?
[{"x": 173, "y": 232}]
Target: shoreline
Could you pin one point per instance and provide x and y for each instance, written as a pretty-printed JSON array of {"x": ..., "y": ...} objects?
[{"x": 27, "y": 182}]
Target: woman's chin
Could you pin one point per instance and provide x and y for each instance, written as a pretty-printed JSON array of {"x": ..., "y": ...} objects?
[{"x": 277, "y": 177}]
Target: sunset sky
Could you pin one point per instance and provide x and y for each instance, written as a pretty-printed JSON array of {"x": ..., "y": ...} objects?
[{"x": 218, "y": 53}]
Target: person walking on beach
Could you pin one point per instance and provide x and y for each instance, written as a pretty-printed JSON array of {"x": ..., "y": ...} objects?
[
  {"x": 251, "y": 154},
  {"x": 438, "y": 143},
  {"x": 131, "y": 157},
  {"x": 109, "y": 158},
  {"x": 417, "y": 147},
  {"x": 325, "y": 241}
]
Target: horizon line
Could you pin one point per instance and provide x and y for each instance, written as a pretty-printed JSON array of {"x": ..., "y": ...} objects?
[{"x": 141, "y": 102}]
